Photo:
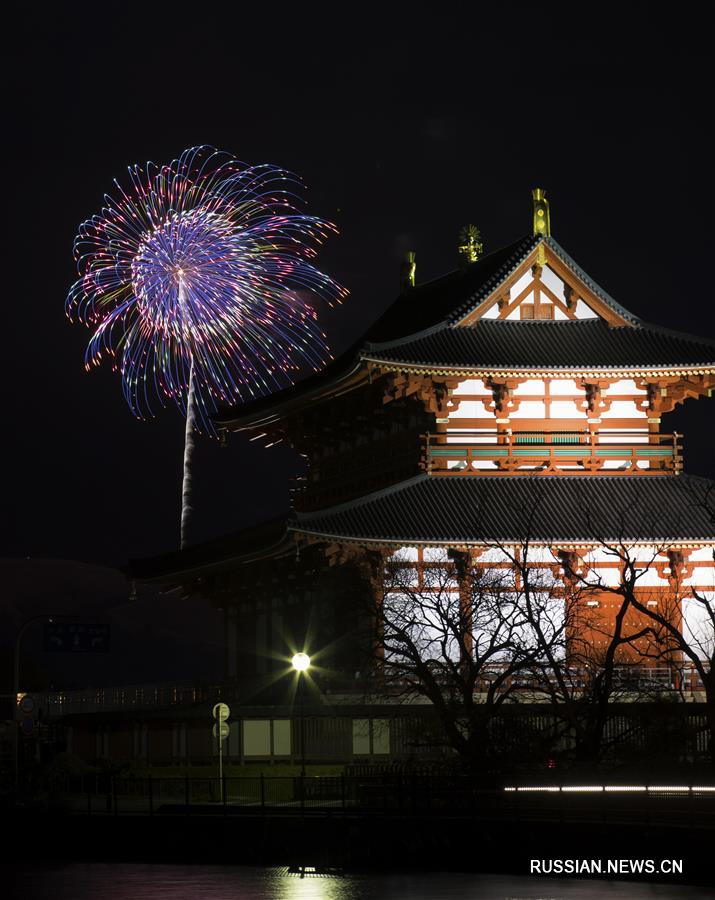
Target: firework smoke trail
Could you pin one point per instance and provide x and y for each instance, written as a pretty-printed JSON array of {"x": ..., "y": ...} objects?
[{"x": 196, "y": 275}]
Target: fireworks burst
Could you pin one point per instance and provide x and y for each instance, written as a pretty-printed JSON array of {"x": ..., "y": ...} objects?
[{"x": 201, "y": 272}]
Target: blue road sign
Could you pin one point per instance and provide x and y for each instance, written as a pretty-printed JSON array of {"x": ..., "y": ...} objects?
[{"x": 73, "y": 637}]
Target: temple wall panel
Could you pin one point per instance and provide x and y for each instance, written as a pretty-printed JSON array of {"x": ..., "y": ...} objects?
[
  {"x": 701, "y": 554},
  {"x": 520, "y": 284},
  {"x": 623, "y": 386},
  {"x": 639, "y": 552},
  {"x": 552, "y": 281},
  {"x": 435, "y": 554},
  {"x": 567, "y": 409},
  {"x": 538, "y": 554},
  {"x": 530, "y": 386},
  {"x": 608, "y": 577},
  {"x": 493, "y": 555},
  {"x": 529, "y": 409},
  {"x": 702, "y": 577},
  {"x": 469, "y": 386},
  {"x": 469, "y": 409},
  {"x": 650, "y": 578},
  {"x": 698, "y": 625},
  {"x": 563, "y": 386},
  {"x": 584, "y": 311},
  {"x": 623, "y": 409},
  {"x": 408, "y": 553}
]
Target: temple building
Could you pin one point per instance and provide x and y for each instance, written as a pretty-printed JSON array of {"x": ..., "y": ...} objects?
[{"x": 512, "y": 400}]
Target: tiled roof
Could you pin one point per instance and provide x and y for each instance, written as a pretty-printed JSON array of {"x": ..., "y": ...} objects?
[
  {"x": 471, "y": 301},
  {"x": 582, "y": 343},
  {"x": 417, "y": 328},
  {"x": 589, "y": 282},
  {"x": 429, "y": 304},
  {"x": 421, "y": 307},
  {"x": 463, "y": 509}
]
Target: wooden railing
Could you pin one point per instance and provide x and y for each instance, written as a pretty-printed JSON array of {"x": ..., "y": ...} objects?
[{"x": 474, "y": 453}]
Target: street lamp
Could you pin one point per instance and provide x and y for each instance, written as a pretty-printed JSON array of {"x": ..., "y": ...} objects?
[{"x": 301, "y": 664}]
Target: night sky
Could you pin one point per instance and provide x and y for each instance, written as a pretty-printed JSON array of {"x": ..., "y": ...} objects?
[{"x": 403, "y": 132}]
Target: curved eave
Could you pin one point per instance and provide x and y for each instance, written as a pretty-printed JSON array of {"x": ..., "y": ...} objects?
[
  {"x": 195, "y": 562},
  {"x": 673, "y": 543},
  {"x": 553, "y": 371},
  {"x": 578, "y": 510},
  {"x": 351, "y": 378}
]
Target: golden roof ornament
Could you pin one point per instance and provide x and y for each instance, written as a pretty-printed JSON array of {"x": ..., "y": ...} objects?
[
  {"x": 542, "y": 221},
  {"x": 470, "y": 246},
  {"x": 408, "y": 270}
]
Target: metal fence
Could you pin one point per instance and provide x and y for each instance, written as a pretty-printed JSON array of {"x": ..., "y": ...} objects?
[
  {"x": 640, "y": 679},
  {"x": 384, "y": 794}
]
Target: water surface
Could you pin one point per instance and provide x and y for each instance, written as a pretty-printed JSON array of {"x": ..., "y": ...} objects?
[{"x": 127, "y": 881}]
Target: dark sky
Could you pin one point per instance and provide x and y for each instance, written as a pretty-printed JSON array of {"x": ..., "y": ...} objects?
[{"x": 403, "y": 132}]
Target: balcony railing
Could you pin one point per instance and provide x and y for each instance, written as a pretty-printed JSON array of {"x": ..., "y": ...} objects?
[{"x": 612, "y": 452}]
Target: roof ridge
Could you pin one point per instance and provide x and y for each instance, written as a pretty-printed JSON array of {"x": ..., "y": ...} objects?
[
  {"x": 672, "y": 332},
  {"x": 522, "y": 249},
  {"x": 589, "y": 282},
  {"x": 461, "y": 271},
  {"x": 397, "y": 342}
]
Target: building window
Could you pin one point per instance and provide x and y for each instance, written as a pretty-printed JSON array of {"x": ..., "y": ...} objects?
[
  {"x": 371, "y": 737},
  {"x": 266, "y": 737}
]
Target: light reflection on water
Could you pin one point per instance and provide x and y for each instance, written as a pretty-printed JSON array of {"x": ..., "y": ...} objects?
[{"x": 125, "y": 881}]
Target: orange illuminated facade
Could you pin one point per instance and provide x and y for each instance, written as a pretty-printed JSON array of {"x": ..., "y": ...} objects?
[{"x": 511, "y": 400}]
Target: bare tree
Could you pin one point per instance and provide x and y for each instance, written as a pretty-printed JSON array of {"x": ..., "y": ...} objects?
[
  {"x": 473, "y": 631},
  {"x": 454, "y": 630},
  {"x": 593, "y": 666},
  {"x": 680, "y": 622}
]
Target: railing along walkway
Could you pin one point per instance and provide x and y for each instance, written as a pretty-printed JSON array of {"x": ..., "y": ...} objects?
[
  {"x": 385, "y": 794},
  {"x": 467, "y": 452}
]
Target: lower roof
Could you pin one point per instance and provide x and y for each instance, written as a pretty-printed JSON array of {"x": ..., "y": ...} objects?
[
  {"x": 434, "y": 509},
  {"x": 267, "y": 539},
  {"x": 460, "y": 510}
]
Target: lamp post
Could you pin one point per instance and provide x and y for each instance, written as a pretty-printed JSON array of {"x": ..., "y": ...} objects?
[{"x": 301, "y": 664}]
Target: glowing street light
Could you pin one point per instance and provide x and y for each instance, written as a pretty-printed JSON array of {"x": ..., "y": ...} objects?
[{"x": 301, "y": 664}]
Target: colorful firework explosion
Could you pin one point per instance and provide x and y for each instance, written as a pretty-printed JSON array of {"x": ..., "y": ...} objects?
[{"x": 202, "y": 272}]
